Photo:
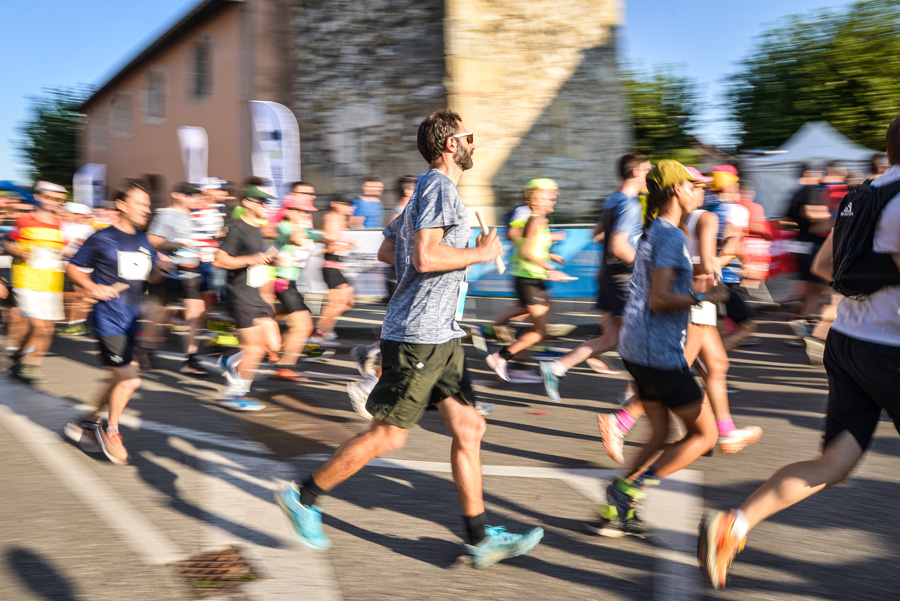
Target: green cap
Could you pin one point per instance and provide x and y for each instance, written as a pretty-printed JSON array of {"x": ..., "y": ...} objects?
[
  {"x": 542, "y": 183},
  {"x": 668, "y": 173},
  {"x": 256, "y": 193}
]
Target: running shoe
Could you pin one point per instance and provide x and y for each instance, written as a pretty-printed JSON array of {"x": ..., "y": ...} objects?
[
  {"x": 240, "y": 403},
  {"x": 272, "y": 357},
  {"x": 305, "y": 521},
  {"x": 618, "y": 516},
  {"x": 364, "y": 359},
  {"x": 286, "y": 374},
  {"x": 314, "y": 352},
  {"x": 359, "y": 393},
  {"x": 523, "y": 376},
  {"x": 193, "y": 367},
  {"x": 111, "y": 445},
  {"x": 328, "y": 340},
  {"x": 717, "y": 546},
  {"x": 612, "y": 436},
  {"x": 498, "y": 364},
  {"x": 480, "y": 338},
  {"x": 231, "y": 373},
  {"x": 551, "y": 381},
  {"x": 602, "y": 368},
  {"x": 83, "y": 433},
  {"x": 499, "y": 544},
  {"x": 800, "y": 328},
  {"x": 30, "y": 374},
  {"x": 738, "y": 439},
  {"x": 484, "y": 409}
]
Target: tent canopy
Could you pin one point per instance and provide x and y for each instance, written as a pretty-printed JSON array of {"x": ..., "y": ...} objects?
[{"x": 815, "y": 144}]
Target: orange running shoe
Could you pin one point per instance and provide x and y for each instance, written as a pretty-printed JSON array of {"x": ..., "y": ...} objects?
[
  {"x": 112, "y": 445},
  {"x": 288, "y": 375},
  {"x": 717, "y": 546}
]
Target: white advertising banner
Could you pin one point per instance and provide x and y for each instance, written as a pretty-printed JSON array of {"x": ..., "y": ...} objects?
[
  {"x": 364, "y": 271},
  {"x": 89, "y": 184},
  {"x": 194, "y": 145},
  {"x": 275, "y": 154}
]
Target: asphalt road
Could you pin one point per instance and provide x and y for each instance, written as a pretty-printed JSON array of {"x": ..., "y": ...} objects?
[{"x": 74, "y": 526}]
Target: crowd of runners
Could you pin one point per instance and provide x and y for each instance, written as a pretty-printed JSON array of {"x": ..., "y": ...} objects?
[{"x": 227, "y": 268}]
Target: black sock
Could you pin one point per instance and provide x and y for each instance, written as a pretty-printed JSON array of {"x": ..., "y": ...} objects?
[
  {"x": 309, "y": 492},
  {"x": 475, "y": 527},
  {"x": 505, "y": 354}
]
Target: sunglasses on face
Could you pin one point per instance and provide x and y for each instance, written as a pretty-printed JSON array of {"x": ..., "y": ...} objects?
[{"x": 469, "y": 136}]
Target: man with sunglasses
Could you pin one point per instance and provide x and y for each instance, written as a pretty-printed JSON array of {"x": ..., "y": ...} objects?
[
  {"x": 241, "y": 255},
  {"x": 38, "y": 277},
  {"x": 424, "y": 364}
]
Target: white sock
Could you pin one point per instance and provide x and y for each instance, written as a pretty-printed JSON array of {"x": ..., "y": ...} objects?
[
  {"x": 741, "y": 525},
  {"x": 557, "y": 368}
]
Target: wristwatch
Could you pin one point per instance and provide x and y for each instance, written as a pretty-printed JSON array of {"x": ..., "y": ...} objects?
[{"x": 698, "y": 297}]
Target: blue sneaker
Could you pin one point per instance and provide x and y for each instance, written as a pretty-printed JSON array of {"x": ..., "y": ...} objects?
[
  {"x": 551, "y": 381},
  {"x": 500, "y": 544},
  {"x": 305, "y": 521},
  {"x": 231, "y": 373},
  {"x": 240, "y": 403}
]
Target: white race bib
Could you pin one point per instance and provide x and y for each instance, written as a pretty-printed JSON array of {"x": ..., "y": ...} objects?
[
  {"x": 134, "y": 265},
  {"x": 258, "y": 275},
  {"x": 704, "y": 314},
  {"x": 45, "y": 259}
]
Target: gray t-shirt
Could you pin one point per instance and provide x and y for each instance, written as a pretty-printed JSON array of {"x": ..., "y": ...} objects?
[
  {"x": 171, "y": 226},
  {"x": 422, "y": 308},
  {"x": 649, "y": 338}
]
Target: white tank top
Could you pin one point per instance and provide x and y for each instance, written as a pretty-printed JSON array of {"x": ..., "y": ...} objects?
[{"x": 693, "y": 244}]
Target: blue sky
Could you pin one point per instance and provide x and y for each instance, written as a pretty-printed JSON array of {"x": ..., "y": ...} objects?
[{"x": 49, "y": 43}]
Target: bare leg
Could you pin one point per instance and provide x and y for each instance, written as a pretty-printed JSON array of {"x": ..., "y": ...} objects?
[
  {"x": 354, "y": 454},
  {"x": 508, "y": 314},
  {"x": 39, "y": 338},
  {"x": 125, "y": 382},
  {"x": 467, "y": 429},
  {"x": 336, "y": 305},
  {"x": 193, "y": 312},
  {"x": 537, "y": 333},
  {"x": 700, "y": 437},
  {"x": 742, "y": 331},
  {"x": 609, "y": 341},
  {"x": 829, "y": 314},
  {"x": 300, "y": 327},
  {"x": 706, "y": 341}
]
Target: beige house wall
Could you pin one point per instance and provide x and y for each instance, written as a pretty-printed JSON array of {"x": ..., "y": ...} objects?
[{"x": 152, "y": 147}]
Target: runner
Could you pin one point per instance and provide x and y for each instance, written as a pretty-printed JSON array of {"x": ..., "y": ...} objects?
[
  {"x": 122, "y": 259},
  {"x": 532, "y": 266},
  {"x": 368, "y": 211},
  {"x": 862, "y": 360},
  {"x": 405, "y": 187},
  {"x": 340, "y": 292},
  {"x": 38, "y": 278},
  {"x": 424, "y": 364},
  {"x": 652, "y": 346},
  {"x": 75, "y": 230},
  {"x": 294, "y": 244},
  {"x": 171, "y": 233},
  {"x": 240, "y": 254},
  {"x": 622, "y": 224}
]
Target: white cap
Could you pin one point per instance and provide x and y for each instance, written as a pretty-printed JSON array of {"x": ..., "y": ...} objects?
[
  {"x": 76, "y": 208},
  {"x": 49, "y": 187},
  {"x": 212, "y": 183}
]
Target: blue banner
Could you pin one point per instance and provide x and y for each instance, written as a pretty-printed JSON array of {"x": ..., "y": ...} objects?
[{"x": 578, "y": 249}]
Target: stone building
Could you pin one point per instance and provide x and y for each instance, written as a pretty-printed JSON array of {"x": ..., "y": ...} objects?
[{"x": 536, "y": 81}]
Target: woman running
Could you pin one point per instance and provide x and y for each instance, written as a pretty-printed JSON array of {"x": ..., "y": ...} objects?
[
  {"x": 532, "y": 266},
  {"x": 340, "y": 292},
  {"x": 655, "y": 322}
]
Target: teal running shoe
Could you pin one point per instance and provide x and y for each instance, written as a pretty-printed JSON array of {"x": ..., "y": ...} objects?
[
  {"x": 551, "y": 381},
  {"x": 305, "y": 521},
  {"x": 500, "y": 544}
]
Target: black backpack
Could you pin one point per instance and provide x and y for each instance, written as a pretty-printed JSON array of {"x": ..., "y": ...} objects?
[{"x": 859, "y": 270}]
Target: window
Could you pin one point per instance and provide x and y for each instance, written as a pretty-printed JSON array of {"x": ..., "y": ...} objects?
[
  {"x": 156, "y": 96},
  {"x": 200, "y": 69},
  {"x": 98, "y": 124},
  {"x": 122, "y": 112}
]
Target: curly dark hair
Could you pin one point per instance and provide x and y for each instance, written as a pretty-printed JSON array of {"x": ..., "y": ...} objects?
[{"x": 433, "y": 133}]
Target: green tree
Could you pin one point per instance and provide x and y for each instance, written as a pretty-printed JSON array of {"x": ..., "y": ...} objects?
[
  {"x": 49, "y": 136},
  {"x": 841, "y": 67},
  {"x": 663, "y": 109}
]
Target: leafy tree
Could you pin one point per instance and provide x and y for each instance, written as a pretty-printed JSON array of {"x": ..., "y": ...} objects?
[
  {"x": 840, "y": 67},
  {"x": 49, "y": 136},
  {"x": 663, "y": 109}
]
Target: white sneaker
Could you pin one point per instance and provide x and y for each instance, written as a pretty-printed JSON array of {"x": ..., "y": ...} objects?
[
  {"x": 240, "y": 403},
  {"x": 359, "y": 391},
  {"x": 484, "y": 409},
  {"x": 612, "y": 436},
  {"x": 738, "y": 439},
  {"x": 82, "y": 433},
  {"x": 498, "y": 364}
]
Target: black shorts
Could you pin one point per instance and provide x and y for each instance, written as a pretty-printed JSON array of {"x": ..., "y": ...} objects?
[
  {"x": 862, "y": 380},
  {"x": 333, "y": 277},
  {"x": 115, "y": 351},
  {"x": 244, "y": 313},
  {"x": 416, "y": 377},
  {"x": 804, "y": 264},
  {"x": 673, "y": 388},
  {"x": 290, "y": 298},
  {"x": 170, "y": 290},
  {"x": 612, "y": 296},
  {"x": 736, "y": 307},
  {"x": 532, "y": 291}
]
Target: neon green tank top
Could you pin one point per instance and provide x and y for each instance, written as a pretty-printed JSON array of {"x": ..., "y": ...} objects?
[{"x": 523, "y": 268}]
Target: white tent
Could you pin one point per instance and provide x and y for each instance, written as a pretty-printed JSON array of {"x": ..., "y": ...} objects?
[{"x": 815, "y": 144}]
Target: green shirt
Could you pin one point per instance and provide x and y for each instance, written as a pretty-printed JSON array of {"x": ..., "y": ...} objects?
[{"x": 522, "y": 267}]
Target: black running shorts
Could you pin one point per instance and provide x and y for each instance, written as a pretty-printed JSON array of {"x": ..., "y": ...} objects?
[
  {"x": 334, "y": 278},
  {"x": 170, "y": 290},
  {"x": 531, "y": 292},
  {"x": 291, "y": 299},
  {"x": 115, "y": 351},
  {"x": 673, "y": 388},
  {"x": 245, "y": 313},
  {"x": 612, "y": 296},
  {"x": 416, "y": 377},
  {"x": 736, "y": 307},
  {"x": 862, "y": 381}
]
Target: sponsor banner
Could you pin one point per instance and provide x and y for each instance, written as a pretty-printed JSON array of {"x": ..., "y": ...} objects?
[
  {"x": 89, "y": 184},
  {"x": 194, "y": 152},
  {"x": 275, "y": 151}
]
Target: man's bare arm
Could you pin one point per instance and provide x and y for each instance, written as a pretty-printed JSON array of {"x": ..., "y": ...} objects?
[{"x": 430, "y": 254}]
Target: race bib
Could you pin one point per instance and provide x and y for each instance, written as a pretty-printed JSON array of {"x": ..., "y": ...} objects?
[
  {"x": 461, "y": 300},
  {"x": 704, "y": 314},
  {"x": 134, "y": 265},
  {"x": 258, "y": 275},
  {"x": 45, "y": 259}
]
